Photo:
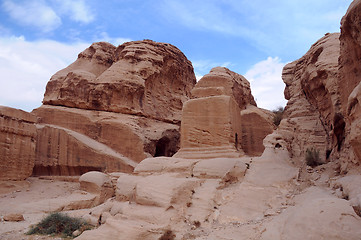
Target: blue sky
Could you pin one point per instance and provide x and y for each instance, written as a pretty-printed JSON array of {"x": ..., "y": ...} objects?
[{"x": 253, "y": 38}]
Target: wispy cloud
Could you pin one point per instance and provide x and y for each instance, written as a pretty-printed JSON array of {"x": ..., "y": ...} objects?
[
  {"x": 33, "y": 13},
  {"x": 104, "y": 37},
  {"x": 77, "y": 10},
  {"x": 269, "y": 25},
  {"x": 266, "y": 82},
  {"x": 202, "y": 67},
  {"x": 27, "y": 66}
]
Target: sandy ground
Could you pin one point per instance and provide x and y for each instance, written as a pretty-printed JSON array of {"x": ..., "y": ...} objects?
[{"x": 34, "y": 198}]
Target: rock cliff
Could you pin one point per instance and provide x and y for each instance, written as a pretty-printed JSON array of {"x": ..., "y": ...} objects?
[
  {"x": 17, "y": 143},
  {"x": 113, "y": 107},
  {"x": 311, "y": 117},
  {"x": 350, "y": 79}
]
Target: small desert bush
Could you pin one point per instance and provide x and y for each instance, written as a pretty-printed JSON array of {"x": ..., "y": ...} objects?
[
  {"x": 59, "y": 224},
  {"x": 167, "y": 235},
  {"x": 313, "y": 157},
  {"x": 278, "y": 114}
]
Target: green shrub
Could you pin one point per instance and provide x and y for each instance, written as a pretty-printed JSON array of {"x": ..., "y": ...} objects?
[
  {"x": 278, "y": 114},
  {"x": 59, "y": 224},
  {"x": 313, "y": 157}
]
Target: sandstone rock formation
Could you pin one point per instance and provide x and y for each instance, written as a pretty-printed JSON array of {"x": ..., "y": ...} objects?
[
  {"x": 312, "y": 118},
  {"x": 112, "y": 108},
  {"x": 211, "y": 121},
  {"x": 350, "y": 78},
  {"x": 323, "y": 92},
  {"x": 143, "y": 78},
  {"x": 256, "y": 124},
  {"x": 17, "y": 143}
]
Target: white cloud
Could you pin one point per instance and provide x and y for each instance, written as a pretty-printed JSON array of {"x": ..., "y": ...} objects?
[
  {"x": 266, "y": 83},
  {"x": 33, "y": 13},
  {"x": 27, "y": 66},
  {"x": 104, "y": 37},
  {"x": 202, "y": 67},
  {"x": 77, "y": 10},
  {"x": 268, "y": 25}
]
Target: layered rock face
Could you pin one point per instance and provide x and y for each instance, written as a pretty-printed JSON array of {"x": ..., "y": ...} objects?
[
  {"x": 312, "y": 118},
  {"x": 17, "y": 143},
  {"x": 211, "y": 121},
  {"x": 112, "y": 108},
  {"x": 323, "y": 89},
  {"x": 140, "y": 78},
  {"x": 350, "y": 78}
]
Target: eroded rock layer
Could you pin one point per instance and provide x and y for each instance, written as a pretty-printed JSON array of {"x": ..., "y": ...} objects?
[
  {"x": 312, "y": 118},
  {"x": 17, "y": 143},
  {"x": 211, "y": 121},
  {"x": 141, "y": 78},
  {"x": 113, "y": 107}
]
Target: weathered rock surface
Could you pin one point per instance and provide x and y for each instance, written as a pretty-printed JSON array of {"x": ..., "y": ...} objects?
[
  {"x": 14, "y": 217},
  {"x": 137, "y": 90},
  {"x": 211, "y": 121},
  {"x": 312, "y": 118},
  {"x": 140, "y": 78},
  {"x": 350, "y": 71},
  {"x": 222, "y": 81},
  {"x": 17, "y": 143},
  {"x": 324, "y": 216},
  {"x": 256, "y": 124},
  {"x": 98, "y": 183}
]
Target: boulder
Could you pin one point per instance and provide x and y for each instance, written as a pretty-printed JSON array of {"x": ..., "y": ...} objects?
[
  {"x": 97, "y": 183},
  {"x": 17, "y": 143},
  {"x": 14, "y": 217}
]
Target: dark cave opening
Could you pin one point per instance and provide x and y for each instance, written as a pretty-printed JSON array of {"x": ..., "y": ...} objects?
[{"x": 162, "y": 147}]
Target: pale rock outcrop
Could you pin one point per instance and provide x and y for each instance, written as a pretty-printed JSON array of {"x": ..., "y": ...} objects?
[
  {"x": 17, "y": 143},
  {"x": 211, "y": 121},
  {"x": 98, "y": 183},
  {"x": 316, "y": 216},
  {"x": 141, "y": 77},
  {"x": 14, "y": 217}
]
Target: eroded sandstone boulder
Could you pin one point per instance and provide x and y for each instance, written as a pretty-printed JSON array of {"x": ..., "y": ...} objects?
[
  {"x": 17, "y": 143},
  {"x": 141, "y": 78},
  {"x": 112, "y": 108},
  {"x": 98, "y": 183}
]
